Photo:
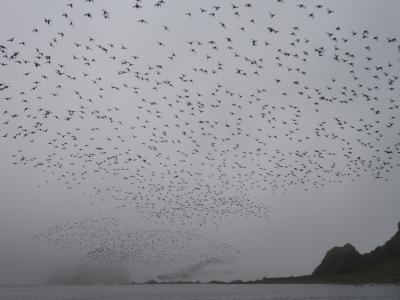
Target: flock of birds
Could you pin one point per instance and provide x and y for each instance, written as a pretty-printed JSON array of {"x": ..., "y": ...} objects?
[
  {"x": 107, "y": 241},
  {"x": 194, "y": 112}
]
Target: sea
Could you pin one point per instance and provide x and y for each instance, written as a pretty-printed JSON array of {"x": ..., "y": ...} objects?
[{"x": 203, "y": 292}]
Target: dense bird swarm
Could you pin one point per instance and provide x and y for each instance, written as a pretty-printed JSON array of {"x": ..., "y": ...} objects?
[
  {"x": 106, "y": 241},
  {"x": 193, "y": 112}
]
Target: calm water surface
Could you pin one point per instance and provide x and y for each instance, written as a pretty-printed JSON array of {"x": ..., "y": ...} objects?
[{"x": 205, "y": 291}]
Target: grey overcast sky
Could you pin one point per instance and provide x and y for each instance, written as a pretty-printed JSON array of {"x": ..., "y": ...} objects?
[{"x": 266, "y": 128}]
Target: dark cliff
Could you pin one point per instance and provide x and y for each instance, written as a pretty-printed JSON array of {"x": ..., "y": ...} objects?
[{"x": 346, "y": 260}]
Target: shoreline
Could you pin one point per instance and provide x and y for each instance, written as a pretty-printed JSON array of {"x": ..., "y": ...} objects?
[{"x": 271, "y": 281}]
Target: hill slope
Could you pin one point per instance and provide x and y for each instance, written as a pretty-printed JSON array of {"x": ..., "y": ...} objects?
[{"x": 346, "y": 261}]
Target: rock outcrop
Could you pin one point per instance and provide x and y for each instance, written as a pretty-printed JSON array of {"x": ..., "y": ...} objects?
[{"x": 347, "y": 260}]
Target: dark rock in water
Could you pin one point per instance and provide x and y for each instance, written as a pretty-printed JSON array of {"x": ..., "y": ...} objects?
[{"x": 347, "y": 260}]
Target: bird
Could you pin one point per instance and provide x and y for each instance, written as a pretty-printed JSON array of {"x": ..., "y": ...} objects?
[{"x": 195, "y": 130}]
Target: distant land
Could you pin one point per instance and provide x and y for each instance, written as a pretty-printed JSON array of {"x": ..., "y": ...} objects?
[{"x": 342, "y": 265}]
